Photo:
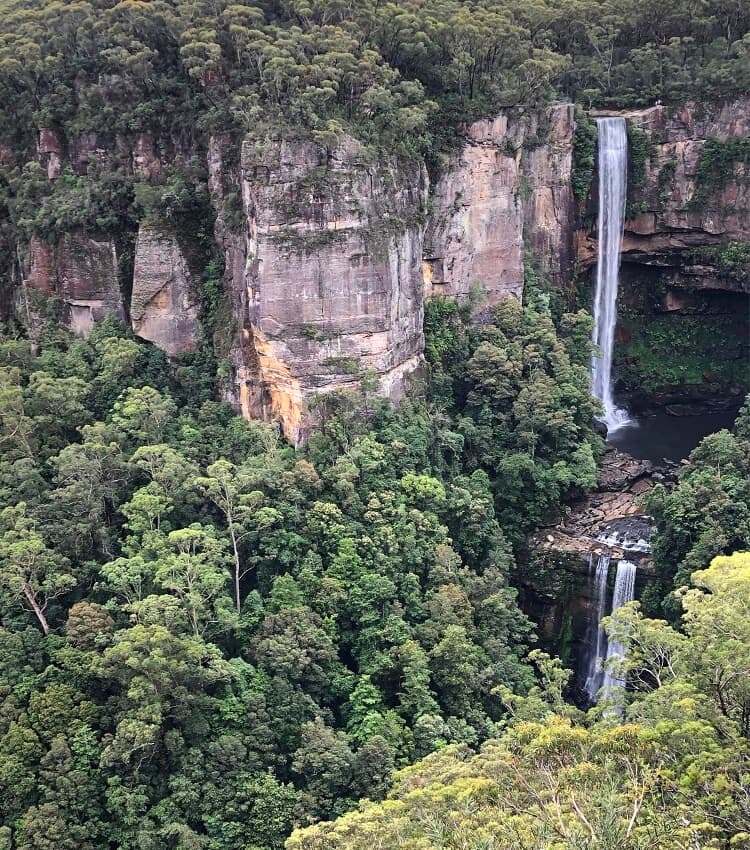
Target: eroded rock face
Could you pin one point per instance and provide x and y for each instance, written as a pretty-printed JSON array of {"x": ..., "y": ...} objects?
[
  {"x": 164, "y": 307},
  {"x": 80, "y": 270},
  {"x": 509, "y": 184},
  {"x": 331, "y": 283},
  {"x": 50, "y": 150}
]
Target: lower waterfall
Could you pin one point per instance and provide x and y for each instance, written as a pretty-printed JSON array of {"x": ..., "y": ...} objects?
[
  {"x": 601, "y": 650},
  {"x": 597, "y": 637},
  {"x": 624, "y": 593}
]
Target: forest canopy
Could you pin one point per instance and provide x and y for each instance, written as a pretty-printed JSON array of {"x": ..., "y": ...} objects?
[
  {"x": 208, "y": 637},
  {"x": 404, "y": 72}
]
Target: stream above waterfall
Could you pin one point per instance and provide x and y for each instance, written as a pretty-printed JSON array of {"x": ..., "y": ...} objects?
[{"x": 662, "y": 436}]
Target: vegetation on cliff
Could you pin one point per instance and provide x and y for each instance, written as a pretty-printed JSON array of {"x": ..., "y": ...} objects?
[
  {"x": 208, "y": 638},
  {"x": 94, "y": 74}
]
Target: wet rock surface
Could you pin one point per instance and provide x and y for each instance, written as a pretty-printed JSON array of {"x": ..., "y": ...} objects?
[{"x": 612, "y": 519}]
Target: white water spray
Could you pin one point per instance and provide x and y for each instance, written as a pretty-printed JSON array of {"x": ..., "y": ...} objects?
[
  {"x": 613, "y": 168},
  {"x": 624, "y": 593},
  {"x": 597, "y": 639}
]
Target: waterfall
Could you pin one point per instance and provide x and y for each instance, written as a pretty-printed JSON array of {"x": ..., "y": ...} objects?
[
  {"x": 613, "y": 167},
  {"x": 597, "y": 639},
  {"x": 598, "y": 676},
  {"x": 624, "y": 593}
]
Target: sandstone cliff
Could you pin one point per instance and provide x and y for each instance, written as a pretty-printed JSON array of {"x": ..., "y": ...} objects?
[
  {"x": 80, "y": 270},
  {"x": 679, "y": 200},
  {"x": 682, "y": 202},
  {"x": 508, "y": 189},
  {"x": 164, "y": 305},
  {"x": 326, "y": 283},
  {"x": 330, "y": 253}
]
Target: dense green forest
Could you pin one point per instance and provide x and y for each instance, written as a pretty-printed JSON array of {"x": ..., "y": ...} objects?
[
  {"x": 209, "y": 638},
  {"x": 673, "y": 775},
  {"x": 207, "y": 635}
]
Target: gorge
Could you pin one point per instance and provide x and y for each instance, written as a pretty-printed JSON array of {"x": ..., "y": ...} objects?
[{"x": 312, "y": 536}]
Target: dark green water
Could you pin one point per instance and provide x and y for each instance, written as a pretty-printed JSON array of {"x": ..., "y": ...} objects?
[{"x": 672, "y": 437}]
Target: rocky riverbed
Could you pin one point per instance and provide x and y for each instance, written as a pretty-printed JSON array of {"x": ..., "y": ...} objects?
[{"x": 610, "y": 520}]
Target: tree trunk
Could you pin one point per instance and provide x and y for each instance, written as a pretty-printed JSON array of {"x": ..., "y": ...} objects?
[
  {"x": 236, "y": 567},
  {"x": 31, "y": 599}
]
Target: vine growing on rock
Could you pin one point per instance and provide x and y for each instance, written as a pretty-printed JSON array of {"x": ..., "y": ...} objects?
[
  {"x": 584, "y": 156},
  {"x": 640, "y": 152}
]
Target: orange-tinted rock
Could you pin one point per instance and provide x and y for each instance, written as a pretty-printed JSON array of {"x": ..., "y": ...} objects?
[{"x": 328, "y": 283}]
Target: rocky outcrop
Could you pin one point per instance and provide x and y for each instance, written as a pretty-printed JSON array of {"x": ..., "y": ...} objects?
[
  {"x": 589, "y": 524},
  {"x": 508, "y": 189},
  {"x": 81, "y": 271},
  {"x": 681, "y": 206},
  {"x": 50, "y": 151},
  {"x": 329, "y": 288},
  {"x": 164, "y": 306}
]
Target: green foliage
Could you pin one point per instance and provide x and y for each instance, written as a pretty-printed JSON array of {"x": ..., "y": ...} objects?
[
  {"x": 672, "y": 773},
  {"x": 731, "y": 259},
  {"x": 678, "y": 351},
  {"x": 518, "y": 395},
  {"x": 705, "y": 343},
  {"x": 584, "y": 155},
  {"x": 238, "y": 636},
  {"x": 665, "y": 183},
  {"x": 717, "y": 166},
  {"x": 708, "y": 513}
]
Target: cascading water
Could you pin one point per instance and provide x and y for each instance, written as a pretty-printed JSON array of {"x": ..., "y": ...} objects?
[
  {"x": 597, "y": 639},
  {"x": 613, "y": 168},
  {"x": 600, "y": 678},
  {"x": 624, "y": 593}
]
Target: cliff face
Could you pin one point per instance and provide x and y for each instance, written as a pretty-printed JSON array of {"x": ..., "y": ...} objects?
[
  {"x": 330, "y": 286},
  {"x": 683, "y": 200},
  {"x": 689, "y": 187},
  {"x": 80, "y": 270},
  {"x": 330, "y": 254},
  {"x": 164, "y": 307},
  {"x": 508, "y": 188}
]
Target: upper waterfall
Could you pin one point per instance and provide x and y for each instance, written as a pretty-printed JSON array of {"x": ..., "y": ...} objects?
[{"x": 613, "y": 166}]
